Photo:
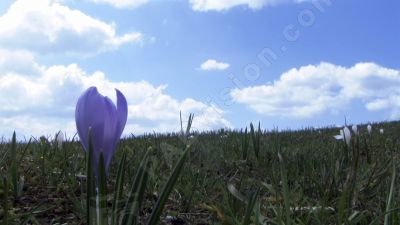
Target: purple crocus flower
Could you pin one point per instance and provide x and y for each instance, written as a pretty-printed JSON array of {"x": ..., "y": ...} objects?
[{"x": 106, "y": 121}]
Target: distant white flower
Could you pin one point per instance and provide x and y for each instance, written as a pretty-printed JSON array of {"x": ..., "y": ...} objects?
[
  {"x": 59, "y": 139},
  {"x": 347, "y": 135},
  {"x": 381, "y": 130},
  {"x": 344, "y": 135},
  {"x": 369, "y": 128},
  {"x": 339, "y": 136},
  {"x": 354, "y": 128}
]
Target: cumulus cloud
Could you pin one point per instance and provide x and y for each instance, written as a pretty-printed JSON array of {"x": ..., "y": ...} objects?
[
  {"x": 47, "y": 26},
  {"x": 213, "y": 64},
  {"x": 18, "y": 61},
  {"x": 325, "y": 88},
  {"x": 44, "y": 102},
  {"x": 122, "y": 3},
  {"x": 221, "y": 5},
  {"x": 201, "y": 5}
]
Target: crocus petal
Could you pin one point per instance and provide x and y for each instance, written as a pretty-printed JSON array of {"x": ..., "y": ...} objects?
[
  {"x": 110, "y": 125},
  {"x": 122, "y": 112},
  {"x": 90, "y": 113},
  {"x": 120, "y": 117},
  {"x": 340, "y": 136}
]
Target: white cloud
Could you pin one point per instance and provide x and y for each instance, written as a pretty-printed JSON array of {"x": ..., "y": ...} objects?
[
  {"x": 122, "y": 3},
  {"x": 201, "y": 5},
  {"x": 325, "y": 88},
  {"x": 221, "y": 5},
  {"x": 18, "y": 61},
  {"x": 46, "y": 26},
  {"x": 44, "y": 102},
  {"x": 212, "y": 64}
]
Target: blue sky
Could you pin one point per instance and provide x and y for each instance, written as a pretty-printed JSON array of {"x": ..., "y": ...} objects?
[{"x": 286, "y": 63}]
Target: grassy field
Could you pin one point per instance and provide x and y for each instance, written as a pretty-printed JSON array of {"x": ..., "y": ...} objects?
[{"x": 230, "y": 177}]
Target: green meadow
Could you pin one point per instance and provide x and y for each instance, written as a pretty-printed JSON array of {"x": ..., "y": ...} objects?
[{"x": 229, "y": 177}]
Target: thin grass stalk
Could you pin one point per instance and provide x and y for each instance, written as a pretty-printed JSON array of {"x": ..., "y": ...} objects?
[
  {"x": 5, "y": 201},
  {"x": 155, "y": 215},
  {"x": 189, "y": 124},
  {"x": 25, "y": 150},
  {"x": 388, "y": 216},
  {"x": 256, "y": 141},
  {"x": 118, "y": 190},
  {"x": 90, "y": 185},
  {"x": 245, "y": 145},
  {"x": 132, "y": 205},
  {"x": 13, "y": 168},
  {"x": 285, "y": 190},
  {"x": 250, "y": 207},
  {"x": 193, "y": 189},
  {"x": 102, "y": 192}
]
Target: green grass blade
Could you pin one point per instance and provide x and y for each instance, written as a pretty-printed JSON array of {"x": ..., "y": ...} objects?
[
  {"x": 102, "y": 193},
  {"x": 377, "y": 218},
  {"x": 13, "y": 168},
  {"x": 118, "y": 189},
  {"x": 25, "y": 150},
  {"x": 257, "y": 212},
  {"x": 5, "y": 201},
  {"x": 390, "y": 198},
  {"x": 342, "y": 205},
  {"x": 255, "y": 136},
  {"x": 189, "y": 124},
  {"x": 134, "y": 200},
  {"x": 155, "y": 215},
  {"x": 180, "y": 117},
  {"x": 250, "y": 207},
  {"x": 138, "y": 199},
  {"x": 285, "y": 190},
  {"x": 245, "y": 145},
  {"x": 90, "y": 185}
]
